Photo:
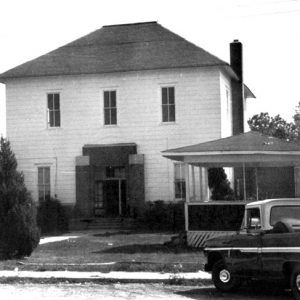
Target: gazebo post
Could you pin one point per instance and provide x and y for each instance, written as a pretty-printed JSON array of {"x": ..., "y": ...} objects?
[
  {"x": 193, "y": 183},
  {"x": 297, "y": 180},
  {"x": 187, "y": 195},
  {"x": 244, "y": 181},
  {"x": 203, "y": 178},
  {"x": 256, "y": 184}
]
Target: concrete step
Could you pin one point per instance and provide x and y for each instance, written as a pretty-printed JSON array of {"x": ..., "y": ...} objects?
[{"x": 102, "y": 223}]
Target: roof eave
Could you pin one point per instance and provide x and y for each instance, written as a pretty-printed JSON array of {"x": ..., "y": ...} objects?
[
  {"x": 205, "y": 153},
  {"x": 4, "y": 79},
  {"x": 248, "y": 93}
]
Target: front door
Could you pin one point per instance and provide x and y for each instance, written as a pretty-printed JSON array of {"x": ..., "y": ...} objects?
[
  {"x": 111, "y": 197},
  {"x": 115, "y": 197}
]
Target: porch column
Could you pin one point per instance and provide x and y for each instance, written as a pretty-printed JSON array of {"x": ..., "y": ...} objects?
[
  {"x": 193, "y": 184},
  {"x": 244, "y": 182},
  {"x": 204, "y": 189},
  {"x": 297, "y": 181},
  {"x": 187, "y": 195}
]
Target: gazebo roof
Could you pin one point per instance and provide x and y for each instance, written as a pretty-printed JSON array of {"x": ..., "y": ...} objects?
[{"x": 251, "y": 149}]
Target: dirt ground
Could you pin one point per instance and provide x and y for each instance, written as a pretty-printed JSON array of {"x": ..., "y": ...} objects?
[{"x": 111, "y": 251}]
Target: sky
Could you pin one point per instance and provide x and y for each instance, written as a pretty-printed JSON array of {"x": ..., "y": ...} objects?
[{"x": 268, "y": 29}]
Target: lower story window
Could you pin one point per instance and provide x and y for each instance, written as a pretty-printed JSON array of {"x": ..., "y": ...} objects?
[
  {"x": 43, "y": 183},
  {"x": 179, "y": 181}
]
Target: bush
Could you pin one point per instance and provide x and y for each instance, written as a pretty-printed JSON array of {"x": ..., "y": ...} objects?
[
  {"x": 52, "y": 216},
  {"x": 159, "y": 215},
  {"x": 19, "y": 234},
  {"x": 219, "y": 185}
]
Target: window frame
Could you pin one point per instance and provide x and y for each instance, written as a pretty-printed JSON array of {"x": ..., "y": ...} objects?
[
  {"x": 181, "y": 181},
  {"x": 53, "y": 110},
  {"x": 168, "y": 104},
  {"x": 110, "y": 108},
  {"x": 44, "y": 184}
]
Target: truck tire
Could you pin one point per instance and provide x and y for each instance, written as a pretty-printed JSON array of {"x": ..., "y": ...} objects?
[
  {"x": 295, "y": 282},
  {"x": 222, "y": 277}
]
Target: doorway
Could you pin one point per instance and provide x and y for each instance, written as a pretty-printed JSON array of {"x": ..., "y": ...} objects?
[{"x": 114, "y": 196}]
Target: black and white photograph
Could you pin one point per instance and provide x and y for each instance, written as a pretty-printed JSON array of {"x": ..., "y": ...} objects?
[{"x": 150, "y": 149}]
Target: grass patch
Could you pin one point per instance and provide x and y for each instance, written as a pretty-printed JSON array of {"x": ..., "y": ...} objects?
[{"x": 118, "y": 251}]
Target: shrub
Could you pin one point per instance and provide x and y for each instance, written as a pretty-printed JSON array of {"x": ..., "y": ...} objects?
[
  {"x": 159, "y": 215},
  {"x": 52, "y": 216},
  {"x": 219, "y": 185},
  {"x": 19, "y": 234}
]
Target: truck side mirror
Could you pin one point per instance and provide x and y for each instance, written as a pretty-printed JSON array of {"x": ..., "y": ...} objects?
[{"x": 254, "y": 223}]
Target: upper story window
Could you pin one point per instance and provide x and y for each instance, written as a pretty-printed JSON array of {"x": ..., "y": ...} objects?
[
  {"x": 43, "y": 183},
  {"x": 110, "y": 107},
  {"x": 168, "y": 104},
  {"x": 53, "y": 110}
]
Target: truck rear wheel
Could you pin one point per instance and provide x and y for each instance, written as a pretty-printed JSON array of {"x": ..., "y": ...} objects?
[
  {"x": 222, "y": 277},
  {"x": 295, "y": 283}
]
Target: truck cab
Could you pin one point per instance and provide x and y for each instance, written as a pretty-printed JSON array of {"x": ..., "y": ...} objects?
[
  {"x": 263, "y": 215},
  {"x": 266, "y": 247}
]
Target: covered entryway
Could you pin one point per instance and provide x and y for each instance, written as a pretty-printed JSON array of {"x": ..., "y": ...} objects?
[
  {"x": 109, "y": 181},
  {"x": 240, "y": 152}
]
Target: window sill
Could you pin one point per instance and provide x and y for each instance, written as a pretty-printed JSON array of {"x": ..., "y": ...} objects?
[
  {"x": 179, "y": 199},
  {"x": 167, "y": 123},
  {"x": 54, "y": 128},
  {"x": 111, "y": 126}
]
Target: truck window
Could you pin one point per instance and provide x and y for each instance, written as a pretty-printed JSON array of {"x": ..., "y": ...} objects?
[
  {"x": 253, "y": 218},
  {"x": 279, "y": 213}
]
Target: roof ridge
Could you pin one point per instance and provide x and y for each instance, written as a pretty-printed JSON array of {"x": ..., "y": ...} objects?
[
  {"x": 122, "y": 43},
  {"x": 131, "y": 24}
]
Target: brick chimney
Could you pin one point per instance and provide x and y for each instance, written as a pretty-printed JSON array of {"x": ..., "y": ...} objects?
[{"x": 237, "y": 86}]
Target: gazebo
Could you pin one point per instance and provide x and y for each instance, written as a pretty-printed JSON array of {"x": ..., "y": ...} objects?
[{"x": 251, "y": 149}]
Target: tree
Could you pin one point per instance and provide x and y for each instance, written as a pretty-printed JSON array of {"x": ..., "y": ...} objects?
[
  {"x": 19, "y": 234},
  {"x": 219, "y": 185},
  {"x": 274, "y": 126}
]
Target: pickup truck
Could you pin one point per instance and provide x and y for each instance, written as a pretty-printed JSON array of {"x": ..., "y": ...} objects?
[{"x": 266, "y": 247}]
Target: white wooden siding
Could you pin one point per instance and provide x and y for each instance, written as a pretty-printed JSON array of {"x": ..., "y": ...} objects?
[
  {"x": 198, "y": 119},
  {"x": 226, "y": 109}
]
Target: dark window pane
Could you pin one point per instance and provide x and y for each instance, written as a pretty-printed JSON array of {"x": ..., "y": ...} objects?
[
  {"x": 41, "y": 194},
  {"x": 46, "y": 175},
  {"x": 164, "y": 95},
  {"x": 113, "y": 99},
  {"x": 47, "y": 190},
  {"x": 113, "y": 116},
  {"x": 51, "y": 118},
  {"x": 50, "y": 101},
  {"x": 110, "y": 172},
  {"x": 106, "y": 116},
  {"x": 106, "y": 99},
  {"x": 171, "y": 113},
  {"x": 57, "y": 118},
  {"x": 56, "y": 101},
  {"x": 165, "y": 113},
  {"x": 180, "y": 189},
  {"x": 40, "y": 176},
  {"x": 120, "y": 172},
  {"x": 171, "y": 95}
]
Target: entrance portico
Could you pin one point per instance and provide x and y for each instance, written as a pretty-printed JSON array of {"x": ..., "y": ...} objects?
[{"x": 109, "y": 181}]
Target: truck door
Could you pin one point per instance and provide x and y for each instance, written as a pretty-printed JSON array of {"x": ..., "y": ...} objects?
[
  {"x": 276, "y": 249},
  {"x": 245, "y": 255}
]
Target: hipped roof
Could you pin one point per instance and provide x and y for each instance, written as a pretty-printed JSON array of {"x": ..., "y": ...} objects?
[
  {"x": 119, "y": 48},
  {"x": 251, "y": 148}
]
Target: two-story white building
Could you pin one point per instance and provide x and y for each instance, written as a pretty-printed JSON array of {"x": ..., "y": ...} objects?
[{"x": 88, "y": 121}]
